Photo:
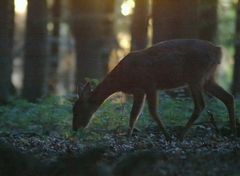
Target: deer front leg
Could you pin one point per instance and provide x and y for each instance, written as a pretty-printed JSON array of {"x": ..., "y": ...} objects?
[
  {"x": 198, "y": 108},
  {"x": 152, "y": 105},
  {"x": 138, "y": 102}
]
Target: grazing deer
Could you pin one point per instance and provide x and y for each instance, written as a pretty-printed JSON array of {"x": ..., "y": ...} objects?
[{"x": 166, "y": 65}]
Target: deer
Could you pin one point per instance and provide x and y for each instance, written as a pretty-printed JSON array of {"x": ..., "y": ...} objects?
[{"x": 166, "y": 65}]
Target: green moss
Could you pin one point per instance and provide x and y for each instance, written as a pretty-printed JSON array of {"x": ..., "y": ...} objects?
[{"x": 53, "y": 115}]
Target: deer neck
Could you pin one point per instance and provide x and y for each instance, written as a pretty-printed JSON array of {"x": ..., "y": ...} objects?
[{"x": 106, "y": 88}]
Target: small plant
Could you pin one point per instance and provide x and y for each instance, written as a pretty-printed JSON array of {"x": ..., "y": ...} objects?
[{"x": 53, "y": 116}]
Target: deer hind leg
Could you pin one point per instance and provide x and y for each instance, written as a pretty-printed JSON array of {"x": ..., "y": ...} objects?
[
  {"x": 196, "y": 91},
  {"x": 152, "y": 105},
  {"x": 217, "y": 91},
  {"x": 138, "y": 102}
]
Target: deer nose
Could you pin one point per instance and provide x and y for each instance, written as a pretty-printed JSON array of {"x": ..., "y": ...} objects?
[{"x": 74, "y": 128}]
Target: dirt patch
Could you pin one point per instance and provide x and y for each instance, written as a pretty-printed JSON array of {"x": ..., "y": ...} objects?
[{"x": 203, "y": 152}]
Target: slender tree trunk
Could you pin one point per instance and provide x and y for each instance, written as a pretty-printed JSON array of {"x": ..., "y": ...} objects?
[
  {"x": 236, "y": 74},
  {"x": 90, "y": 27},
  {"x": 6, "y": 46},
  {"x": 54, "y": 48},
  {"x": 109, "y": 40},
  {"x": 35, "y": 64},
  {"x": 139, "y": 25},
  {"x": 11, "y": 38},
  {"x": 174, "y": 19},
  {"x": 208, "y": 19}
]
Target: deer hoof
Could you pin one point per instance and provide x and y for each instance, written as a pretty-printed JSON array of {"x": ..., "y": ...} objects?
[{"x": 133, "y": 131}]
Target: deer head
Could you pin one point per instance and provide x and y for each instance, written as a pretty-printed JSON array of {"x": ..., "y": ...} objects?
[{"x": 82, "y": 108}]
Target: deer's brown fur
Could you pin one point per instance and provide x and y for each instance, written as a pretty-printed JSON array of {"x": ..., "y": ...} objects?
[{"x": 167, "y": 65}]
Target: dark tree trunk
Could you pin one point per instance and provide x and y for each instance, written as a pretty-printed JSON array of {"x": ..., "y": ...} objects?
[
  {"x": 208, "y": 19},
  {"x": 109, "y": 40},
  {"x": 139, "y": 25},
  {"x": 236, "y": 74},
  {"x": 6, "y": 46},
  {"x": 35, "y": 64},
  {"x": 90, "y": 27},
  {"x": 174, "y": 19},
  {"x": 54, "y": 48}
]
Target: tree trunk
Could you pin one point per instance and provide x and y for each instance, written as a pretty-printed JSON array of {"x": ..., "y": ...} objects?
[
  {"x": 89, "y": 26},
  {"x": 6, "y": 46},
  {"x": 174, "y": 19},
  {"x": 35, "y": 63},
  {"x": 139, "y": 25},
  {"x": 54, "y": 48},
  {"x": 109, "y": 40},
  {"x": 236, "y": 74},
  {"x": 208, "y": 19}
]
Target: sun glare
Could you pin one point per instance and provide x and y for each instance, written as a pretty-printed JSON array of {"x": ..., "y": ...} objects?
[
  {"x": 127, "y": 7},
  {"x": 124, "y": 40},
  {"x": 20, "y": 6}
]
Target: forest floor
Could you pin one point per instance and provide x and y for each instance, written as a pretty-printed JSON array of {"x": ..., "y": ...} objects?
[{"x": 32, "y": 147}]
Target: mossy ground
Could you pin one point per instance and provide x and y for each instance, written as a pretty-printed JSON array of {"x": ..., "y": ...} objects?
[{"x": 40, "y": 135}]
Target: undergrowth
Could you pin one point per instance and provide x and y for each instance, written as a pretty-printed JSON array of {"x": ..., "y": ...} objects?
[{"x": 53, "y": 115}]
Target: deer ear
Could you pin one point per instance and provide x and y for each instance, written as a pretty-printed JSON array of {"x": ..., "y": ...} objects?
[{"x": 86, "y": 91}]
